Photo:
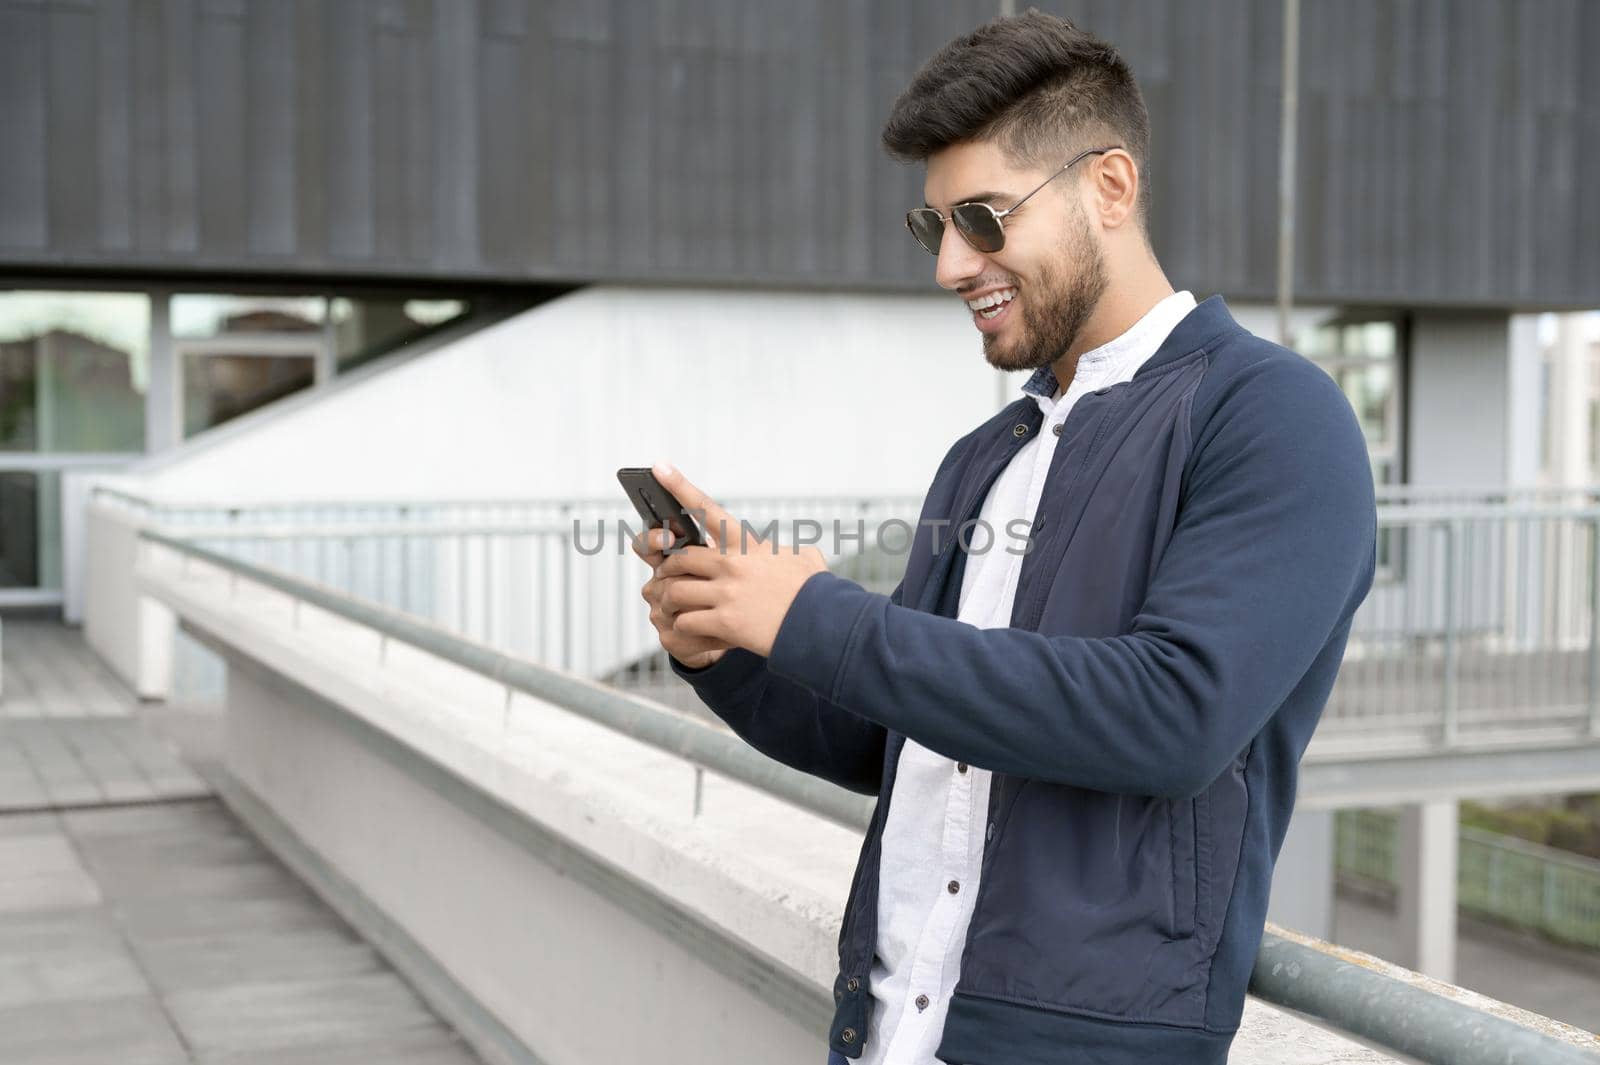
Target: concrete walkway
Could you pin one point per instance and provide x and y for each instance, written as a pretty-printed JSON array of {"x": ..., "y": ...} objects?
[
  {"x": 164, "y": 934},
  {"x": 140, "y": 923}
]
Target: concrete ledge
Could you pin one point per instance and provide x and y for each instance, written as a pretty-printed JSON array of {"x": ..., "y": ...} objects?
[{"x": 545, "y": 882}]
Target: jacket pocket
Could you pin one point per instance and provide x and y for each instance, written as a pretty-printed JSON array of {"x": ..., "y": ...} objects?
[
  {"x": 1082, "y": 905},
  {"x": 1184, "y": 819},
  {"x": 1219, "y": 817}
]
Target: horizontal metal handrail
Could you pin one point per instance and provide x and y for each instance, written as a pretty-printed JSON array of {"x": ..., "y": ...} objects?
[
  {"x": 1395, "y": 1014},
  {"x": 698, "y": 744},
  {"x": 245, "y": 533},
  {"x": 266, "y": 533},
  {"x": 54, "y": 461},
  {"x": 1389, "y": 514},
  {"x": 1312, "y": 980},
  {"x": 1483, "y": 492},
  {"x": 599, "y": 502}
]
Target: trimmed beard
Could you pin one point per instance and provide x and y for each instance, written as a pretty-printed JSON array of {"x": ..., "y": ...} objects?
[{"x": 1054, "y": 311}]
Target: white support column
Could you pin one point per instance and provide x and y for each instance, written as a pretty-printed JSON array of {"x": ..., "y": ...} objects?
[
  {"x": 1302, "y": 880},
  {"x": 1426, "y": 864},
  {"x": 163, "y": 411},
  {"x": 1459, "y": 399}
]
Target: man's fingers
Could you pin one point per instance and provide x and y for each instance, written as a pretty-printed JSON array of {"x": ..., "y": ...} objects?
[
  {"x": 702, "y": 624},
  {"x": 651, "y": 545},
  {"x": 687, "y": 593},
  {"x": 705, "y": 509},
  {"x": 690, "y": 562}
]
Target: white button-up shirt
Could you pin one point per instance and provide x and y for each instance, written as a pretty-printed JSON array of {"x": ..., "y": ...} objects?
[{"x": 938, "y": 812}]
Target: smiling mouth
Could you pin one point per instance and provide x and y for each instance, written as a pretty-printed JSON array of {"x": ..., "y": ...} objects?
[
  {"x": 986, "y": 309},
  {"x": 991, "y": 305}
]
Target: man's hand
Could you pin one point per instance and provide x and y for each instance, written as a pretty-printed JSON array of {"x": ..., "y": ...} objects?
[
  {"x": 693, "y": 651},
  {"x": 733, "y": 593}
]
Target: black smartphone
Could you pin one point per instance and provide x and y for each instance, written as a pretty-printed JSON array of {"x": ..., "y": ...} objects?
[{"x": 658, "y": 507}]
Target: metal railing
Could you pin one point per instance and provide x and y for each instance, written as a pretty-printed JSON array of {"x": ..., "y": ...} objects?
[
  {"x": 553, "y": 582},
  {"x": 1388, "y": 1011},
  {"x": 1484, "y": 632},
  {"x": 1502, "y": 878},
  {"x": 1487, "y": 495}
]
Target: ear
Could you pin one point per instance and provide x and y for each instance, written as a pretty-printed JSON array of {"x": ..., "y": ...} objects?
[{"x": 1114, "y": 188}]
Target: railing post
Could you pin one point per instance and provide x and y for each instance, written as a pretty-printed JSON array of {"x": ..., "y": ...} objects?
[
  {"x": 1547, "y": 896},
  {"x": 1452, "y": 651},
  {"x": 1495, "y": 881},
  {"x": 568, "y": 547},
  {"x": 1594, "y": 627}
]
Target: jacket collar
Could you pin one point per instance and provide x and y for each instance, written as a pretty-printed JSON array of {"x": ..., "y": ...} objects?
[
  {"x": 1199, "y": 331},
  {"x": 1196, "y": 331}
]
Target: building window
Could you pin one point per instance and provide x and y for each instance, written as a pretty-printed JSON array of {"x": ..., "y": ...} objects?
[
  {"x": 241, "y": 352},
  {"x": 74, "y": 367},
  {"x": 1364, "y": 357},
  {"x": 365, "y": 328}
]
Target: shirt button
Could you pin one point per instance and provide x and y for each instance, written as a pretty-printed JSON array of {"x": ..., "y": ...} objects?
[
  {"x": 961, "y": 767},
  {"x": 852, "y": 984},
  {"x": 922, "y": 1002},
  {"x": 953, "y": 887},
  {"x": 1019, "y": 429},
  {"x": 1056, "y": 428},
  {"x": 848, "y": 1035}
]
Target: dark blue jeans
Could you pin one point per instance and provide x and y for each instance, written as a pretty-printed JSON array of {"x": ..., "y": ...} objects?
[{"x": 836, "y": 1058}]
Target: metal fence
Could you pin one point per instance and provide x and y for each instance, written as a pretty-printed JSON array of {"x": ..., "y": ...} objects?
[{"x": 1501, "y": 878}]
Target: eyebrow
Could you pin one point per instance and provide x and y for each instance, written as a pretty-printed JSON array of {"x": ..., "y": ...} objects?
[{"x": 981, "y": 197}]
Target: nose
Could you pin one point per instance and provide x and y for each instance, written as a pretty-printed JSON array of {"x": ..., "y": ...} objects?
[{"x": 958, "y": 262}]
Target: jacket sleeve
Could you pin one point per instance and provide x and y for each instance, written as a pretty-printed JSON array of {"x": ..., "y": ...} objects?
[
  {"x": 1272, "y": 550},
  {"x": 790, "y": 723}
]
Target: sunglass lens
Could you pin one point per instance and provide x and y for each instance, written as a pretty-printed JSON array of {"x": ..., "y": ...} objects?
[
  {"x": 926, "y": 225},
  {"x": 980, "y": 225}
]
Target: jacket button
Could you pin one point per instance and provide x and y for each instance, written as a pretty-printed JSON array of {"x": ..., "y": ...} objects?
[
  {"x": 1056, "y": 428},
  {"x": 961, "y": 767},
  {"x": 848, "y": 1035},
  {"x": 989, "y": 832},
  {"x": 838, "y": 996},
  {"x": 922, "y": 1002},
  {"x": 1019, "y": 429},
  {"x": 953, "y": 887},
  {"x": 852, "y": 984}
]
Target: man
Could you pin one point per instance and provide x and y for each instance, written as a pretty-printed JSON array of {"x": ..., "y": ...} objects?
[{"x": 1085, "y": 755}]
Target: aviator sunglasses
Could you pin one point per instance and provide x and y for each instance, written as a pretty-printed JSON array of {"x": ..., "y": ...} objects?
[{"x": 978, "y": 223}]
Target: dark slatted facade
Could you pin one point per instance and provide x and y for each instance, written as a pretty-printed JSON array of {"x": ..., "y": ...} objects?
[{"x": 1449, "y": 149}]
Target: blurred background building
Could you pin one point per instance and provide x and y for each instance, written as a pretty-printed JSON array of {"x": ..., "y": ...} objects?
[{"x": 380, "y": 293}]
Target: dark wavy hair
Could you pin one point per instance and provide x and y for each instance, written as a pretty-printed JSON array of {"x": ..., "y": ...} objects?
[{"x": 1036, "y": 85}]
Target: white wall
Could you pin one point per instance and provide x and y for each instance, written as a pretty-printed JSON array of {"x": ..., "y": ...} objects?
[{"x": 746, "y": 391}]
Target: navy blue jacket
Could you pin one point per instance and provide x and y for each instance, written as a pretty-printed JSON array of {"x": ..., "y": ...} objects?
[{"x": 1206, "y": 532}]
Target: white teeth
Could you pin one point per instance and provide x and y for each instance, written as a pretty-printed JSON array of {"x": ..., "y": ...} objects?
[{"x": 994, "y": 299}]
